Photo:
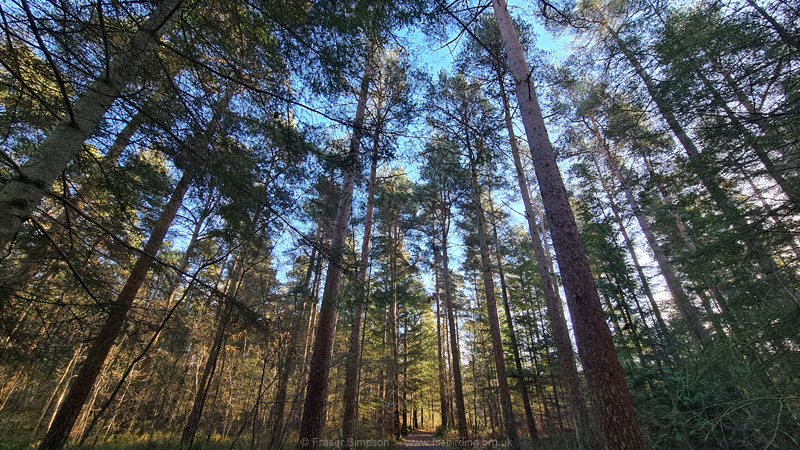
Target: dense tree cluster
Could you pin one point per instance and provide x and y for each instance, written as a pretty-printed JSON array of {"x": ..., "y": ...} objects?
[{"x": 262, "y": 224}]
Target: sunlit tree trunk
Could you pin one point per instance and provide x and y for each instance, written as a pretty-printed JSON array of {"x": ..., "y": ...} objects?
[
  {"x": 612, "y": 399},
  {"x": 491, "y": 308},
  {"x": 313, "y": 418},
  {"x": 558, "y": 323},
  {"x": 523, "y": 384},
  {"x": 442, "y": 369},
  {"x": 22, "y": 194},
  {"x": 709, "y": 176},
  {"x": 217, "y": 344},
  {"x": 455, "y": 352},
  {"x": 118, "y": 310}
]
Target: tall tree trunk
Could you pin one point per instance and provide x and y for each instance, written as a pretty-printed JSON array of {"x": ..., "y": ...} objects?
[
  {"x": 220, "y": 332},
  {"x": 313, "y": 418},
  {"x": 523, "y": 384},
  {"x": 350, "y": 418},
  {"x": 296, "y": 342},
  {"x": 561, "y": 339},
  {"x": 491, "y": 308},
  {"x": 392, "y": 385},
  {"x": 455, "y": 352},
  {"x": 784, "y": 34},
  {"x": 607, "y": 383},
  {"x": 775, "y": 171},
  {"x": 118, "y": 310},
  {"x": 146, "y": 356},
  {"x": 442, "y": 368},
  {"x": 686, "y": 308},
  {"x": 22, "y": 194},
  {"x": 629, "y": 245}
]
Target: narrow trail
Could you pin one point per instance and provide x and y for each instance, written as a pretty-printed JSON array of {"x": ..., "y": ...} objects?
[{"x": 420, "y": 440}]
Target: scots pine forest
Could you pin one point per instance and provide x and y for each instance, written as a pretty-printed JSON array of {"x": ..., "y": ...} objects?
[{"x": 300, "y": 225}]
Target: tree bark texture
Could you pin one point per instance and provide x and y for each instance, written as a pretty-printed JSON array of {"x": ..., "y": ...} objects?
[
  {"x": 558, "y": 324},
  {"x": 455, "y": 352},
  {"x": 612, "y": 398},
  {"x": 491, "y": 308},
  {"x": 117, "y": 312}
]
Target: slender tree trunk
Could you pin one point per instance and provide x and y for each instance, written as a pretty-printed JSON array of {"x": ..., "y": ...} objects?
[
  {"x": 686, "y": 308},
  {"x": 607, "y": 383},
  {"x": 494, "y": 321},
  {"x": 296, "y": 341},
  {"x": 629, "y": 245},
  {"x": 523, "y": 384},
  {"x": 442, "y": 368},
  {"x": 204, "y": 385},
  {"x": 784, "y": 34},
  {"x": 350, "y": 418},
  {"x": 561, "y": 339},
  {"x": 455, "y": 352},
  {"x": 709, "y": 175},
  {"x": 118, "y": 310},
  {"x": 313, "y": 418},
  {"x": 21, "y": 195},
  {"x": 217, "y": 347},
  {"x": 788, "y": 187},
  {"x": 392, "y": 389}
]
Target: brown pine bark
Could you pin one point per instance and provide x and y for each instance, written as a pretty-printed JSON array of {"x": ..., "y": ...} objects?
[
  {"x": 443, "y": 403},
  {"x": 313, "y": 418},
  {"x": 21, "y": 195},
  {"x": 561, "y": 339},
  {"x": 217, "y": 344},
  {"x": 65, "y": 419},
  {"x": 296, "y": 349},
  {"x": 612, "y": 399}
]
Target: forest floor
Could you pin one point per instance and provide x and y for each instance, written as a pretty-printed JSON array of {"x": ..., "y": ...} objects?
[{"x": 420, "y": 440}]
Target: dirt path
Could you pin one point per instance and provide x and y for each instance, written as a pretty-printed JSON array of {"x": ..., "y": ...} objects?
[{"x": 420, "y": 440}]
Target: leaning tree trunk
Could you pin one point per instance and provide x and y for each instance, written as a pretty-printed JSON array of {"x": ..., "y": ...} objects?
[
  {"x": 118, "y": 310},
  {"x": 491, "y": 308},
  {"x": 612, "y": 398},
  {"x": 784, "y": 34},
  {"x": 686, "y": 308},
  {"x": 350, "y": 418},
  {"x": 561, "y": 339},
  {"x": 708, "y": 174},
  {"x": 296, "y": 341},
  {"x": 204, "y": 385},
  {"x": 22, "y": 194},
  {"x": 313, "y": 418},
  {"x": 662, "y": 326}
]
